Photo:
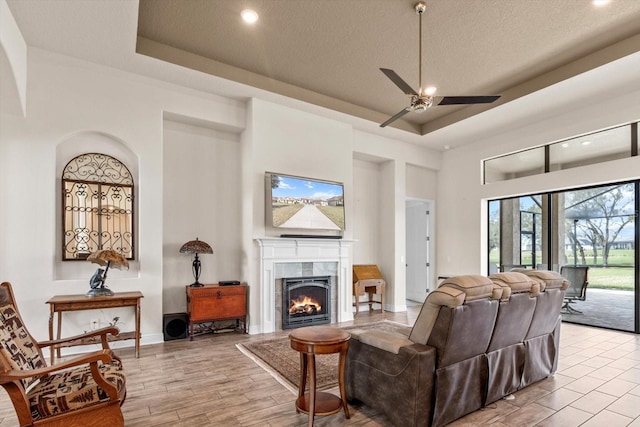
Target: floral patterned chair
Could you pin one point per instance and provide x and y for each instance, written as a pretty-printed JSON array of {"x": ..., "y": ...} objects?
[{"x": 85, "y": 390}]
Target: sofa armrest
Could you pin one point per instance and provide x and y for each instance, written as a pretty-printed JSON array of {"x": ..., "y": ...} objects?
[
  {"x": 399, "y": 385},
  {"x": 387, "y": 341}
]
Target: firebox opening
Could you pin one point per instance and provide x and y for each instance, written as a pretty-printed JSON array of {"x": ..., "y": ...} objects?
[{"x": 308, "y": 300}]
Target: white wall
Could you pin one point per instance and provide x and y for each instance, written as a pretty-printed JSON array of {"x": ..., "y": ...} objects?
[
  {"x": 461, "y": 206},
  {"x": 165, "y": 130},
  {"x": 421, "y": 183},
  {"x": 366, "y": 212},
  {"x": 201, "y": 198},
  {"x": 292, "y": 142},
  {"x": 13, "y": 64},
  {"x": 403, "y": 170},
  {"x": 67, "y": 97}
]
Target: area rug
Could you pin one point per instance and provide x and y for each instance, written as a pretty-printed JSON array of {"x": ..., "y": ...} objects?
[{"x": 278, "y": 358}]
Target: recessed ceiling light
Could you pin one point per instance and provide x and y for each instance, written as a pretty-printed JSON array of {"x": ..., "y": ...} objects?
[
  {"x": 586, "y": 142},
  {"x": 565, "y": 145},
  {"x": 599, "y": 3},
  {"x": 249, "y": 16},
  {"x": 446, "y": 147}
]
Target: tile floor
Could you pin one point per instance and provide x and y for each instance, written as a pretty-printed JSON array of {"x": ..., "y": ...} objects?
[
  {"x": 208, "y": 382},
  {"x": 597, "y": 384}
]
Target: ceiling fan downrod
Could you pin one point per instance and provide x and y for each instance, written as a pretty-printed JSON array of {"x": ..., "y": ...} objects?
[
  {"x": 420, "y": 7},
  {"x": 421, "y": 101}
]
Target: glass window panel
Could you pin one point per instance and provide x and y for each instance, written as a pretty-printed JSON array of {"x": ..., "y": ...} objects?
[
  {"x": 597, "y": 147},
  {"x": 599, "y": 227},
  {"x": 494, "y": 236},
  {"x": 516, "y": 165},
  {"x": 592, "y": 230}
]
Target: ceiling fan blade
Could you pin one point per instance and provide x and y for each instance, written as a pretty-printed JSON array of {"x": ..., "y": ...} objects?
[
  {"x": 458, "y": 100},
  {"x": 398, "y": 81},
  {"x": 396, "y": 117}
]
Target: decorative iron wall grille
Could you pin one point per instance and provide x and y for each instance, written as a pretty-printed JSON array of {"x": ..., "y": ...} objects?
[{"x": 97, "y": 203}]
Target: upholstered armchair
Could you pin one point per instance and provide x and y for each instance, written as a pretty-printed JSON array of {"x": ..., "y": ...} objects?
[{"x": 85, "y": 390}]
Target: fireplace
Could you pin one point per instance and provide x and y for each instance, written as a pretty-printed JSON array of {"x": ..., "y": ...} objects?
[
  {"x": 282, "y": 257},
  {"x": 306, "y": 301}
]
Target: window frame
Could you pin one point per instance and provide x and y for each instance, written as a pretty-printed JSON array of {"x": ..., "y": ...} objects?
[{"x": 98, "y": 170}]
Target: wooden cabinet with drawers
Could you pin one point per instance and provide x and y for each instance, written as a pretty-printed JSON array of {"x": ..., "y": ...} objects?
[{"x": 213, "y": 303}]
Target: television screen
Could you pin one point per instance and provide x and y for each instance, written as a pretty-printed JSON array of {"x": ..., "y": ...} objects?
[{"x": 304, "y": 203}]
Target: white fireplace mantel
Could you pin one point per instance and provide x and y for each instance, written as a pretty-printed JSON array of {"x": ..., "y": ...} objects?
[{"x": 276, "y": 250}]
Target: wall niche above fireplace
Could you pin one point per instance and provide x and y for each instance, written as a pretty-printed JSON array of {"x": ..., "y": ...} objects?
[{"x": 306, "y": 301}]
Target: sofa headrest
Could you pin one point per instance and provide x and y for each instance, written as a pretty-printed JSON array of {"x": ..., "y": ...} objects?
[
  {"x": 452, "y": 293},
  {"x": 515, "y": 282},
  {"x": 472, "y": 286},
  {"x": 547, "y": 279}
]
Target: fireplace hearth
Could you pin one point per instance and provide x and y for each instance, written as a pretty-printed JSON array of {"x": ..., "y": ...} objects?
[{"x": 306, "y": 301}]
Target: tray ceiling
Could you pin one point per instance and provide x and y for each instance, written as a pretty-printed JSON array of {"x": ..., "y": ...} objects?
[{"x": 328, "y": 52}]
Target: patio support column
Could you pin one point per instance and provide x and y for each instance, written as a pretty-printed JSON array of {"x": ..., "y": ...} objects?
[{"x": 510, "y": 231}]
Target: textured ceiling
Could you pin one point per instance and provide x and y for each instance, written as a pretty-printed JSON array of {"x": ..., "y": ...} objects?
[{"x": 328, "y": 52}]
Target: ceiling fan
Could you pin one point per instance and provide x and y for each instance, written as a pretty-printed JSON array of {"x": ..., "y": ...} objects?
[{"x": 421, "y": 100}]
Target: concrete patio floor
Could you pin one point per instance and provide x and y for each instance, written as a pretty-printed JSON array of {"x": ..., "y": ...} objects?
[{"x": 605, "y": 308}]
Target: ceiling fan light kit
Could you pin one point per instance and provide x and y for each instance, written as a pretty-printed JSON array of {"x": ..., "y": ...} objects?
[{"x": 420, "y": 101}]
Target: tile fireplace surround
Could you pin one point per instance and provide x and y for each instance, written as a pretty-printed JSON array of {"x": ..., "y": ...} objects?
[{"x": 298, "y": 257}]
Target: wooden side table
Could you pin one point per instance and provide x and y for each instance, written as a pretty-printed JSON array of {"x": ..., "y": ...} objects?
[
  {"x": 61, "y": 303},
  {"x": 314, "y": 340}
]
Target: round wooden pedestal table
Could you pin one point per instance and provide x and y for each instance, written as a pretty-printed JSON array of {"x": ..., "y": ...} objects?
[{"x": 314, "y": 340}]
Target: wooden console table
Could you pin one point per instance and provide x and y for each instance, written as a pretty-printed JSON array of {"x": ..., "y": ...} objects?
[{"x": 61, "y": 303}]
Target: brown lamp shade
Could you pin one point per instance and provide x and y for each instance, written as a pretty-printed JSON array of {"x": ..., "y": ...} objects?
[
  {"x": 196, "y": 247},
  {"x": 109, "y": 256},
  {"x": 103, "y": 257}
]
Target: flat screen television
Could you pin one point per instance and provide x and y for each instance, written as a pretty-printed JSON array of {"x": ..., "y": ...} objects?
[{"x": 297, "y": 204}]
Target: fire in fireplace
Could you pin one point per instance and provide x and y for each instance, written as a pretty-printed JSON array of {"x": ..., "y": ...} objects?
[
  {"x": 304, "y": 305},
  {"x": 308, "y": 300}
]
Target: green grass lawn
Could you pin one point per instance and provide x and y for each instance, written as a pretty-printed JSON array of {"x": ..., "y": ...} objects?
[
  {"x": 281, "y": 213},
  {"x": 334, "y": 213},
  {"x": 617, "y": 257},
  {"x": 618, "y": 275},
  {"x": 611, "y": 278}
]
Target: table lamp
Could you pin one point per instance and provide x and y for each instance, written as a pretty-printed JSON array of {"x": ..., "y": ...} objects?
[
  {"x": 105, "y": 257},
  {"x": 196, "y": 247}
]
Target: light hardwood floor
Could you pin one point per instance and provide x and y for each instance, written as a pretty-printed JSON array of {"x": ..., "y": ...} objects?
[{"x": 208, "y": 382}]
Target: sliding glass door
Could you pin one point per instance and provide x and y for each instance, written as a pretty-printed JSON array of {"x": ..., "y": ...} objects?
[
  {"x": 589, "y": 235},
  {"x": 599, "y": 233}
]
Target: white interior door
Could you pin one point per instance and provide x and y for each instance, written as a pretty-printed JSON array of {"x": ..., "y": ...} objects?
[{"x": 418, "y": 241}]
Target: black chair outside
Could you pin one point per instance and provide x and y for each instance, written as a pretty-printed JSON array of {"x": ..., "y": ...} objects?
[{"x": 578, "y": 277}]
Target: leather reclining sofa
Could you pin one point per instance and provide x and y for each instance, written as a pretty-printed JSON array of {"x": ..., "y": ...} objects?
[{"x": 476, "y": 340}]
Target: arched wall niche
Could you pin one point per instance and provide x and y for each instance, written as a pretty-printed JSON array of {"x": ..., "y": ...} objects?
[{"x": 68, "y": 148}]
